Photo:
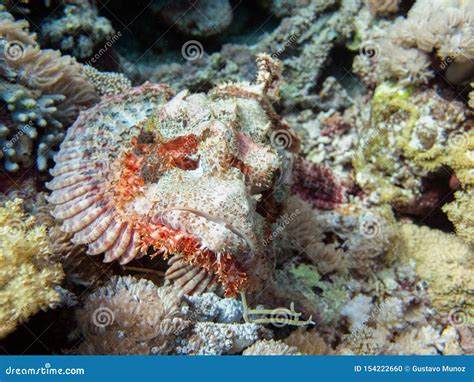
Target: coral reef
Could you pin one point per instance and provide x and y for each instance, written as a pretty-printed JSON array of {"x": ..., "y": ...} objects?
[
  {"x": 406, "y": 137},
  {"x": 312, "y": 158},
  {"x": 432, "y": 31},
  {"x": 445, "y": 262},
  {"x": 129, "y": 316},
  {"x": 106, "y": 83},
  {"x": 352, "y": 237},
  {"x": 41, "y": 93},
  {"x": 76, "y": 30},
  {"x": 308, "y": 342},
  {"x": 30, "y": 278},
  {"x": 303, "y": 42}
]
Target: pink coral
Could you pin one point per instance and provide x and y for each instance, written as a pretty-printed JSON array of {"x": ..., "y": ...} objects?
[{"x": 317, "y": 185}]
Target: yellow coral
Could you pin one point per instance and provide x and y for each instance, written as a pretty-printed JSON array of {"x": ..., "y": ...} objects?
[
  {"x": 443, "y": 260},
  {"x": 461, "y": 213},
  {"x": 28, "y": 276}
]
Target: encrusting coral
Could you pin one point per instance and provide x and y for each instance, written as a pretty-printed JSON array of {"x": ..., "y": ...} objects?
[
  {"x": 41, "y": 92},
  {"x": 130, "y": 316},
  {"x": 181, "y": 174},
  {"x": 406, "y": 137},
  {"x": 30, "y": 277}
]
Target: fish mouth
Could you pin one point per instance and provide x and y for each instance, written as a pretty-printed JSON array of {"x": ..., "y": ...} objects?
[
  {"x": 155, "y": 233},
  {"x": 212, "y": 218}
]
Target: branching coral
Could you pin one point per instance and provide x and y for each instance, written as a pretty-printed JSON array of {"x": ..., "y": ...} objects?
[
  {"x": 41, "y": 93},
  {"x": 129, "y": 316},
  {"x": 29, "y": 276}
]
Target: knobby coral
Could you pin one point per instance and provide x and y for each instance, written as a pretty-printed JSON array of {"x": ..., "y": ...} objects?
[
  {"x": 29, "y": 276},
  {"x": 178, "y": 174},
  {"x": 41, "y": 92},
  {"x": 106, "y": 83}
]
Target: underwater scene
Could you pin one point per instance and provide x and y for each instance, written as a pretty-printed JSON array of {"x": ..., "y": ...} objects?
[{"x": 236, "y": 177}]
